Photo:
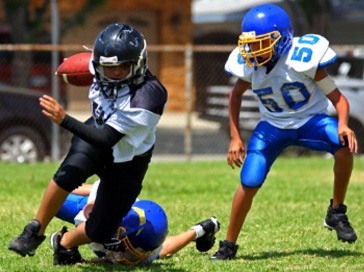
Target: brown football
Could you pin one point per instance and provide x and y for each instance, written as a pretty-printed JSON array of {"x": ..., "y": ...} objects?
[{"x": 74, "y": 70}]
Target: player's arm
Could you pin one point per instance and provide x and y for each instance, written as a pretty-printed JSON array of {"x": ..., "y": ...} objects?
[
  {"x": 83, "y": 190},
  {"x": 236, "y": 153},
  {"x": 341, "y": 104},
  {"x": 105, "y": 137}
]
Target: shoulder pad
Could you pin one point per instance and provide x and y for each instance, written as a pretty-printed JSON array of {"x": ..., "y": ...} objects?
[
  {"x": 308, "y": 53},
  {"x": 236, "y": 66}
]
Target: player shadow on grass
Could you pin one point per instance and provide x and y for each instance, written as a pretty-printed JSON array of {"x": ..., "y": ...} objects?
[
  {"x": 334, "y": 253},
  {"x": 155, "y": 266}
]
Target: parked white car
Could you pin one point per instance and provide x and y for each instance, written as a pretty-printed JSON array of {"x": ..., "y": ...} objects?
[{"x": 348, "y": 74}]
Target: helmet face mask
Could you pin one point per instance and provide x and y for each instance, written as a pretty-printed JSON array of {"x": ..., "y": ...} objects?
[
  {"x": 123, "y": 73},
  {"x": 266, "y": 35},
  {"x": 259, "y": 49},
  {"x": 142, "y": 230},
  {"x": 115, "y": 45}
]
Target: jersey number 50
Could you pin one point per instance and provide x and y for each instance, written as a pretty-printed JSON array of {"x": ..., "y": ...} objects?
[{"x": 266, "y": 95}]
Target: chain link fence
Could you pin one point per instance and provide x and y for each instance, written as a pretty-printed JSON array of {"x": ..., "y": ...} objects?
[{"x": 195, "y": 124}]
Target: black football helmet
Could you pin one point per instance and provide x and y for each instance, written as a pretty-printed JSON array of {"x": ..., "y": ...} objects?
[{"x": 117, "y": 44}]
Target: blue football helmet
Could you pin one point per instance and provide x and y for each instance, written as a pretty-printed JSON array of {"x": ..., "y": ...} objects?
[
  {"x": 145, "y": 225},
  {"x": 142, "y": 230},
  {"x": 266, "y": 35},
  {"x": 117, "y": 44}
]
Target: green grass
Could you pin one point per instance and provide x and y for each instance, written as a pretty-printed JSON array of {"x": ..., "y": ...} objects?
[{"x": 283, "y": 231}]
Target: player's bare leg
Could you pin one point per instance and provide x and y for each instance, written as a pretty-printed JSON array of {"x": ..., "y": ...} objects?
[
  {"x": 336, "y": 218},
  {"x": 65, "y": 245},
  {"x": 33, "y": 234},
  {"x": 242, "y": 202},
  {"x": 173, "y": 244},
  {"x": 52, "y": 201},
  {"x": 203, "y": 233},
  {"x": 343, "y": 168},
  {"x": 75, "y": 237}
]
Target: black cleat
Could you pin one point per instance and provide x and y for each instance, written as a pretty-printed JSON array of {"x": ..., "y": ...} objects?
[
  {"x": 206, "y": 242},
  {"x": 336, "y": 219},
  {"x": 28, "y": 241},
  {"x": 227, "y": 251},
  {"x": 61, "y": 255}
]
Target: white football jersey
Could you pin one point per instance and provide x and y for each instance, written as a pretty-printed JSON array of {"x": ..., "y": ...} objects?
[
  {"x": 288, "y": 95},
  {"x": 129, "y": 114}
]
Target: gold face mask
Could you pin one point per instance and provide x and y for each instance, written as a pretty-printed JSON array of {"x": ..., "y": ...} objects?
[
  {"x": 127, "y": 253},
  {"x": 257, "y": 50}
]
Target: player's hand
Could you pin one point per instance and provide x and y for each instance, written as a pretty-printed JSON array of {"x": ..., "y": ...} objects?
[
  {"x": 52, "y": 109},
  {"x": 236, "y": 153},
  {"x": 346, "y": 134}
]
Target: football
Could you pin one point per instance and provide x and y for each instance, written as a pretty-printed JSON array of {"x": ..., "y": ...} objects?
[{"x": 74, "y": 70}]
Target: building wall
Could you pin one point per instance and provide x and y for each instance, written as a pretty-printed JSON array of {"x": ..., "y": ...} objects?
[{"x": 163, "y": 22}]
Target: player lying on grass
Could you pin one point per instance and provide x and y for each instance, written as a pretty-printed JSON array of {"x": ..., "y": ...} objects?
[{"x": 142, "y": 235}]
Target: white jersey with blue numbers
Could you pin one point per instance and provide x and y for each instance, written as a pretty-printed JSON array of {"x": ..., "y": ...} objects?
[
  {"x": 288, "y": 95},
  {"x": 133, "y": 113}
]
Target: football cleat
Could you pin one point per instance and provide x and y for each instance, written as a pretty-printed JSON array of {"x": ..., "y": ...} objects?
[
  {"x": 227, "y": 251},
  {"x": 336, "y": 219},
  {"x": 206, "y": 241},
  {"x": 28, "y": 241},
  {"x": 61, "y": 255}
]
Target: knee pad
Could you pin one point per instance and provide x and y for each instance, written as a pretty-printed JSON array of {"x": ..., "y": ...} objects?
[
  {"x": 254, "y": 172},
  {"x": 69, "y": 177}
]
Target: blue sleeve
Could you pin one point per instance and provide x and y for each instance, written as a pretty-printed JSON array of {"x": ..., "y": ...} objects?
[{"x": 71, "y": 207}]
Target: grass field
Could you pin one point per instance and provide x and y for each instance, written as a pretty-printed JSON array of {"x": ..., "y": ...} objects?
[{"x": 283, "y": 231}]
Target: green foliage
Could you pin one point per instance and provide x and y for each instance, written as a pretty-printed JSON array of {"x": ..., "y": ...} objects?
[{"x": 283, "y": 231}]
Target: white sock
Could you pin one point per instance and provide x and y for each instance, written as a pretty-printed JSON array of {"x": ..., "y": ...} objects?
[{"x": 199, "y": 231}]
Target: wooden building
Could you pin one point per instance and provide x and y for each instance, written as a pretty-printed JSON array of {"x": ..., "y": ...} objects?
[{"x": 163, "y": 22}]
